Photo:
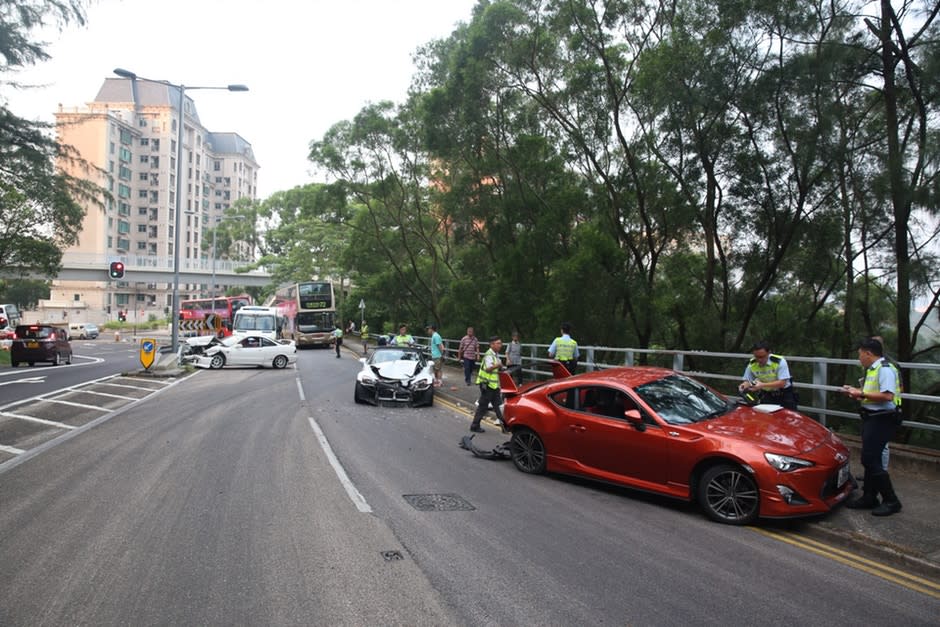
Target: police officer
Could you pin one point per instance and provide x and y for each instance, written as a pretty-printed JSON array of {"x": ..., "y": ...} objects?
[
  {"x": 769, "y": 377},
  {"x": 404, "y": 338},
  {"x": 337, "y": 339},
  {"x": 565, "y": 349},
  {"x": 880, "y": 396},
  {"x": 364, "y": 334},
  {"x": 488, "y": 380}
]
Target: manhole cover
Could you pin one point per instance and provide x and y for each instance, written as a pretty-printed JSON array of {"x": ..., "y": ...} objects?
[{"x": 438, "y": 502}]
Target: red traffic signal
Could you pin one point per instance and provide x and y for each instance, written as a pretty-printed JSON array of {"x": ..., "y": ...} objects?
[{"x": 116, "y": 271}]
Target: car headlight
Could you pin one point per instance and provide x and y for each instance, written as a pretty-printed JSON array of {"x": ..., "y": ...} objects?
[
  {"x": 367, "y": 380},
  {"x": 422, "y": 384},
  {"x": 785, "y": 463}
]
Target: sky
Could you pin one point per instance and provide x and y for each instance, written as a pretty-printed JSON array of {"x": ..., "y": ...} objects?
[{"x": 308, "y": 64}]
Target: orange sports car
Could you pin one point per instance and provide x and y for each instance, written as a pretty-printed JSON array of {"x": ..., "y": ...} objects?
[{"x": 656, "y": 430}]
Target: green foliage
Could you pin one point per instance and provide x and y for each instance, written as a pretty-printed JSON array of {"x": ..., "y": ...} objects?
[{"x": 24, "y": 293}]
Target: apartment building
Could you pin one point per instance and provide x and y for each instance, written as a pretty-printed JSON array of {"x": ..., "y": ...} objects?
[{"x": 129, "y": 133}]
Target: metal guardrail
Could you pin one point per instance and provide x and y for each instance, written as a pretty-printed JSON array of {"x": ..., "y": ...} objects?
[{"x": 536, "y": 355}]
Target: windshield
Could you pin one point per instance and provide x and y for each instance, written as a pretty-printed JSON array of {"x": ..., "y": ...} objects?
[
  {"x": 314, "y": 321},
  {"x": 254, "y": 323},
  {"x": 679, "y": 400},
  {"x": 382, "y": 356}
]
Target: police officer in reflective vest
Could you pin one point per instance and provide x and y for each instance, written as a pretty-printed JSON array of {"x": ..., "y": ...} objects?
[
  {"x": 565, "y": 349},
  {"x": 337, "y": 339},
  {"x": 768, "y": 376},
  {"x": 880, "y": 395},
  {"x": 488, "y": 380}
]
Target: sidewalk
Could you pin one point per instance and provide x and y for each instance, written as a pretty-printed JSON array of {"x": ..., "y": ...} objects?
[{"x": 910, "y": 539}]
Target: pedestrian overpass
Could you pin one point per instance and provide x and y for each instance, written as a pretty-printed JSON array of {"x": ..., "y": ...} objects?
[{"x": 152, "y": 269}]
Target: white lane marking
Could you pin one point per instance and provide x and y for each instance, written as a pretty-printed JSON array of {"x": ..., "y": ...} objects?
[
  {"x": 354, "y": 495},
  {"x": 71, "y": 404},
  {"x": 11, "y": 450},
  {"x": 29, "y": 380},
  {"x": 41, "y": 421},
  {"x": 118, "y": 396}
]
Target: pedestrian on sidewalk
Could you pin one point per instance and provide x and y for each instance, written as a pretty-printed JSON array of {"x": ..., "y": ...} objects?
[
  {"x": 565, "y": 349},
  {"x": 437, "y": 354},
  {"x": 488, "y": 380},
  {"x": 880, "y": 394},
  {"x": 468, "y": 351},
  {"x": 514, "y": 358},
  {"x": 364, "y": 333}
]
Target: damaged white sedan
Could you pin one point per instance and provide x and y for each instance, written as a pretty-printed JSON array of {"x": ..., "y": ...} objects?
[
  {"x": 394, "y": 375},
  {"x": 251, "y": 350}
]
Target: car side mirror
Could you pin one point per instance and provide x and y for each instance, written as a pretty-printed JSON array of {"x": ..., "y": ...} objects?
[
  {"x": 633, "y": 417},
  {"x": 362, "y": 360}
]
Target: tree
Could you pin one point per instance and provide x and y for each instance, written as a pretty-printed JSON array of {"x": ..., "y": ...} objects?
[{"x": 40, "y": 205}]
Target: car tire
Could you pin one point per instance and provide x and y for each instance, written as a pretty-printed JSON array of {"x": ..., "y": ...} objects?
[
  {"x": 729, "y": 494},
  {"x": 58, "y": 360},
  {"x": 68, "y": 359},
  {"x": 358, "y": 397},
  {"x": 280, "y": 362},
  {"x": 31, "y": 363},
  {"x": 217, "y": 361},
  {"x": 430, "y": 402},
  {"x": 14, "y": 364},
  {"x": 528, "y": 452}
]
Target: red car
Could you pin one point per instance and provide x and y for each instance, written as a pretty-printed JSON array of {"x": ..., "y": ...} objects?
[{"x": 657, "y": 430}]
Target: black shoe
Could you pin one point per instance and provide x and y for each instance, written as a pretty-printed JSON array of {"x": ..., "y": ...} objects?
[
  {"x": 887, "y": 508},
  {"x": 867, "y": 501},
  {"x": 478, "y": 429}
]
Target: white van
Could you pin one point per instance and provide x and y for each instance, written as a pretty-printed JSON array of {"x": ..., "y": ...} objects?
[
  {"x": 260, "y": 321},
  {"x": 9, "y": 318}
]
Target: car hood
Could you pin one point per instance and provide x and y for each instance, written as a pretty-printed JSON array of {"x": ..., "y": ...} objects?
[
  {"x": 400, "y": 370},
  {"x": 200, "y": 340},
  {"x": 782, "y": 431}
]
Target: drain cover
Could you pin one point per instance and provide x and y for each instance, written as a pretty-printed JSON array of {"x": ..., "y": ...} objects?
[{"x": 438, "y": 502}]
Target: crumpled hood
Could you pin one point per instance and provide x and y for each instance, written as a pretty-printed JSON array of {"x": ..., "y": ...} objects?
[
  {"x": 782, "y": 431},
  {"x": 399, "y": 370}
]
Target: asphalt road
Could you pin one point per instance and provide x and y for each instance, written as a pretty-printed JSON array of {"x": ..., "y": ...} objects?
[{"x": 215, "y": 502}]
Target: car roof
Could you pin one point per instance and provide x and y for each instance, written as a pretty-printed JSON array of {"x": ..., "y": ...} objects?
[{"x": 631, "y": 376}]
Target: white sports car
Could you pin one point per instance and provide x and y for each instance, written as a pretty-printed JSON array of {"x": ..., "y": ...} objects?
[
  {"x": 395, "y": 375},
  {"x": 252, "y": 350}
]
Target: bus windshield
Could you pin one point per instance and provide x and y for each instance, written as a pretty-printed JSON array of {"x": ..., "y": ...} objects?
[{"x": 314, "y": 321}]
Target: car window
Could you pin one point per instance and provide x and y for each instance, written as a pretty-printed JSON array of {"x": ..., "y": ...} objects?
[
  {"x": 379, "y": 357},
  {"x": 604, "y": 401},
  {"x": 680, "y": 400},
  {"x": 564, "y": 398},
  {"x": 34, "y": 333},
  {"x": 268, "y": 342}
]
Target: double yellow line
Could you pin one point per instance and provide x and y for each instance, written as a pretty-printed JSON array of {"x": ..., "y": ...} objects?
[{"x": 909, "y": 581}]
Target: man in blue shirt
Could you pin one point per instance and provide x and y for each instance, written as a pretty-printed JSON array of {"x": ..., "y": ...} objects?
[
  {"x": 565, "y": 349},
  {"x": 879, "y": 392},
  {"x": 437, "y": 354}
]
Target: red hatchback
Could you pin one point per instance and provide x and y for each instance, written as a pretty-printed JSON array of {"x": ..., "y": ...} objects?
[{"x": 657, "y": 430}]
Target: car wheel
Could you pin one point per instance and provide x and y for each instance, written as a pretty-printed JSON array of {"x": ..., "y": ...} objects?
[
  {"x": 82, "y": 336},
  {"x": 729, "y": 495},
  {"x": 14, "y": 364},
  {"x": 430, "y": 402},
  {"x": 217, "y": 361},
  {"x": 528, "y": 451},
  {"x": 31, "y": 363},
  {"x": 68, "y": 359},
  {"x": 280, "y": 362},
  {"x": 58, "y": 360},
  {"x": 358, "y": 394}
]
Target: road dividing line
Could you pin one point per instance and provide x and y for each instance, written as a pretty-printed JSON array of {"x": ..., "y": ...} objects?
[
  {"x": 354, "y": 495},
  {"x": 877, "y": 569}
]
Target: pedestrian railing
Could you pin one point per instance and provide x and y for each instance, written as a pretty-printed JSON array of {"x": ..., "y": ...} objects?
[{"x": 818, "y": 380}]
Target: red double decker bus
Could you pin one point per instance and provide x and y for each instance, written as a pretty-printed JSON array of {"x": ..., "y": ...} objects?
[{"x": 222, "y": 306}]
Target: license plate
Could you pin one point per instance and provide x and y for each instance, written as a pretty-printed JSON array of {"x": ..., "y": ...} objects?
[
  {"x": 32, "y": 344},
  {"x": 843, "y": 476}
]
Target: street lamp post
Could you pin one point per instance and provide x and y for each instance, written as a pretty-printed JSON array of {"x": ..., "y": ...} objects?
[{"x": 174, "y": 323}]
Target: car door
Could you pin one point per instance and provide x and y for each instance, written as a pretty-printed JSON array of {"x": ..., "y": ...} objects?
[
  {"x": 609, "y": 446},
  {"x": 245, "y": 352}
]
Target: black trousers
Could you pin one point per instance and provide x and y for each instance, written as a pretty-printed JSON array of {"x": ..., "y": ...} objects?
[
  {"x": 488, "y": 397},
  {"x": 877, "y": 430},
  {"x": 785, "y": 397}
]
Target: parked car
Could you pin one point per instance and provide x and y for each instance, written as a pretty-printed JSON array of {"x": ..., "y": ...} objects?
[
  {"x": 83, "y": 330},
  {"x": 395, "y": 375},
  {"x": 250, "y": 350},
  {"x": 660, "y": 431},
  {"x": 40, "y": 342}
]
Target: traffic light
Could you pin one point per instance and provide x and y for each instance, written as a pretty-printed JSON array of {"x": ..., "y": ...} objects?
[{"x": 117, "y": 270}]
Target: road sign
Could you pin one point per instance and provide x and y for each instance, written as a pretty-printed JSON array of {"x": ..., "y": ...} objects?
[
  {"x": 362, "y": 303},
  {"x": 148, "y": 351}
]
